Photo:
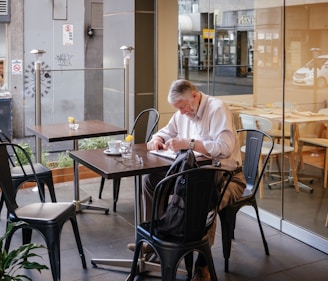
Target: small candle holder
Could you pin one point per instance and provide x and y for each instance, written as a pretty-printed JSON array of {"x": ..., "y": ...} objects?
[
  {"x": 126, "y": 149},
  {"x": 74, "y": 126}
]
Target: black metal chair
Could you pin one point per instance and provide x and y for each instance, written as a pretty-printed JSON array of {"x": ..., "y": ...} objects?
[
  {"x": 148, "y": 116},
  {"x": 200, "y": 189},
  {"x": 47, "y": 218},
  {"x": 254, "y": 140},
  {"x": 21, "y": 172}
]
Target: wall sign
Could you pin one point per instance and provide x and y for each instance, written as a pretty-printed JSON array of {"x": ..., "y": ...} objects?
[
  {"x": 67, "y": 34},
  {"x": 16, "y": 67}
]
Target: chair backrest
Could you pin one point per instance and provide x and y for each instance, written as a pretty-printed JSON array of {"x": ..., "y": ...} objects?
[
  {"x": 6, "y": 182},
  {"x": 253, "y": 142},
  {"x": 323, "y": 111},
  {"x": 17, "y": 155},
  {"x": 201, "y": 197},
  {"x": 289, "y": 106},
  {"x": 255, "y": 122},
  {"x": 4, "y": 137},
  {"x": 149, "y": 117}
]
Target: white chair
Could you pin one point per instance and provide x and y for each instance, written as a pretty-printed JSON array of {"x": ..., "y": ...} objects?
[
  {"x": 276, "y": 133},
  {"x": 321, "y": 142},
  {"x": 264, "y": 124}
]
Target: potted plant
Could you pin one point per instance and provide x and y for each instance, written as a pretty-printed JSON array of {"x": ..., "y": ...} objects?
[
  {"x": 62, "y": 170},
  {"x": 12, "y": 262}
]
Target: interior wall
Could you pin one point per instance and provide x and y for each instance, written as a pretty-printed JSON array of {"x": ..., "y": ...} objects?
[{"x": 167, "y": 61}]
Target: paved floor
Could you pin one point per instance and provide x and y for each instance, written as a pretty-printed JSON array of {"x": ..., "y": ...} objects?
[{"x": 106, "y": 236}]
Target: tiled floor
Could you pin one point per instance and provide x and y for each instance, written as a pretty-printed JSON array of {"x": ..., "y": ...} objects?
[{"x": 106, "y": 236}]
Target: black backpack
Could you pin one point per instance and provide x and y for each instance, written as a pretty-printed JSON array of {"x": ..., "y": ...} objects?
[{"x": 172, "y": 221}]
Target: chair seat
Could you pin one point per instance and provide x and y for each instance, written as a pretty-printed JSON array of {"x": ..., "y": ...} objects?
[
  {"x": 39, "y": 169},
  {"x": 277, "y": 148},
  {"x": 165, "y": 241},
  {"x": 45, "y": 212}
]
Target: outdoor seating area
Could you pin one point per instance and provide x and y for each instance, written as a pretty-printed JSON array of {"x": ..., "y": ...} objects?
[
  {"x": 107, "y": 236},
  {"x": 101, "y": 103}
]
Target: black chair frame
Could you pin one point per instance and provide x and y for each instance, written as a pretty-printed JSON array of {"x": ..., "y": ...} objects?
[
  {"x": 200, "y": 187},
  {"x": 47, "y": 218},
  {"x": 153, "y": 117},
  {"x": 254, "y": 140},
  {"x": 22, "y": 173}
]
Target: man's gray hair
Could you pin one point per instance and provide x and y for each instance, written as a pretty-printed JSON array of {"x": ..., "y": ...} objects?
[{"x": 180, "y": 90}]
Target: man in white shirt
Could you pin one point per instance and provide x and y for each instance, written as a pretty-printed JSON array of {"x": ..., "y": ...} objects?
[{"x": 204, "y": 124}]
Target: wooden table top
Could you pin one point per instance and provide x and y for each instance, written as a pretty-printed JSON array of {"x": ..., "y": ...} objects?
[
  {"x": 111, "y": 166},
  {"x": 87, "y": 129},
  {"x": 276, "y": 114}
]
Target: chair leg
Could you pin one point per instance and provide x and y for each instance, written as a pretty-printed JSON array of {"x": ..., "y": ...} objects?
[
  {"x": 291, "y": 157},
  {"x": 116, "y": 191},
  {"x": 210, "y": 263},
  {"x": 189, "y": 260},
  {"x": 8, "y": 239},
  {"x": 53, "y": 245},
  {"x": 101, "y": 187},
  {"x": 168, "y": 267},
  {"x": 227, "y": 234},
  {"x": 27, "y": 235},
  {"x": 134, "y": 266},
  {"x": 1, "y": 202},
  {"x": 265, "y": 244},
  {"x": 78, "y": 241},
  {"x": 325, "y": 171}
]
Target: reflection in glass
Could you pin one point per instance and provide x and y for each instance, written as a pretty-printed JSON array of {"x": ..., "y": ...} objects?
[{"x": 271, "y": 58}]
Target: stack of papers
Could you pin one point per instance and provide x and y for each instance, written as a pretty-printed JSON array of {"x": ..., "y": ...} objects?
[{"x": 169, "y": 153}]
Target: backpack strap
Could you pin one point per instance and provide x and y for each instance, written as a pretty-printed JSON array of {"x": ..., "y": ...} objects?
[{"x": 185, "y": 158}]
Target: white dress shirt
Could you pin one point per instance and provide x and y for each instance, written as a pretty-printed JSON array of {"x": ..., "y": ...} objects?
[{"x": 213, "y": 125}]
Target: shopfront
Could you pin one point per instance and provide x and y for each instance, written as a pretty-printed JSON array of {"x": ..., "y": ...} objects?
[
  {"x": 269, "y": 41},
  {"x": 234, "y": 43}
]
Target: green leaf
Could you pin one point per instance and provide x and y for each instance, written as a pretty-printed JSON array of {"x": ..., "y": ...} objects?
[{"x": 18, "y": 258}]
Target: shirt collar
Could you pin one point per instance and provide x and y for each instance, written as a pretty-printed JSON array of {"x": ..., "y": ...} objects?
[{"x": 201, "y": 108}]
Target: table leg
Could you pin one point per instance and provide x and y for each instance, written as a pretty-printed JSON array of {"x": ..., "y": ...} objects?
[
  {"x": 80, "y": 203},
  {"x": 294, "y": 135},
  {"x": 143, "y": 264}
]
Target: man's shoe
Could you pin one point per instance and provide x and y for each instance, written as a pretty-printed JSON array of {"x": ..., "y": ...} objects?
[
  {"x": 201, "y": 274},
  {"x": 146, "y": 249}
]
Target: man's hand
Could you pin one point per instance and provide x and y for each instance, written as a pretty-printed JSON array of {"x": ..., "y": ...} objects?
[
  {"x": 157, "y": 143},
  {"x": 177, "y": 144}
]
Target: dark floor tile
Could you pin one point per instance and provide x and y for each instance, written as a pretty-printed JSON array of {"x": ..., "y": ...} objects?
[{"x": 106, "y": 236}]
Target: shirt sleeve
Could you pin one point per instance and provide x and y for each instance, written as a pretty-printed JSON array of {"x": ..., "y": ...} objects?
[
  {"x": 222, "y": 133},
  {"x": 171, "y": 130}
]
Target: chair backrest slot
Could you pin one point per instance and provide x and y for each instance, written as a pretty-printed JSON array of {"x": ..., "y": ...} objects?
[
  {"x": 201, "y": 188},
  {"x": 253, "y": 150},
  {"x": 149, "y": 117}
]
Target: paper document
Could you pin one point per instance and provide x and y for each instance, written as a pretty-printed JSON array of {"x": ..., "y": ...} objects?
[{"x": 170, "y": 154}]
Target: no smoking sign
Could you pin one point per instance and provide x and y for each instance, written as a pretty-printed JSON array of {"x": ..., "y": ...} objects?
[{"x": 16, "y": 67}]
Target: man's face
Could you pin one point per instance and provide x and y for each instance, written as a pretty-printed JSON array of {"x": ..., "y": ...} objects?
[{"x": 188, "y": 107}]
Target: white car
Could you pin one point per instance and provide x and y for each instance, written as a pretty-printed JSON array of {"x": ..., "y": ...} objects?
[{"x": 304, "y": 76}]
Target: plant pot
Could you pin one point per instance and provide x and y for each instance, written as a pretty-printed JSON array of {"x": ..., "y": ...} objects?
[{"x": 66, "y": 174}]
